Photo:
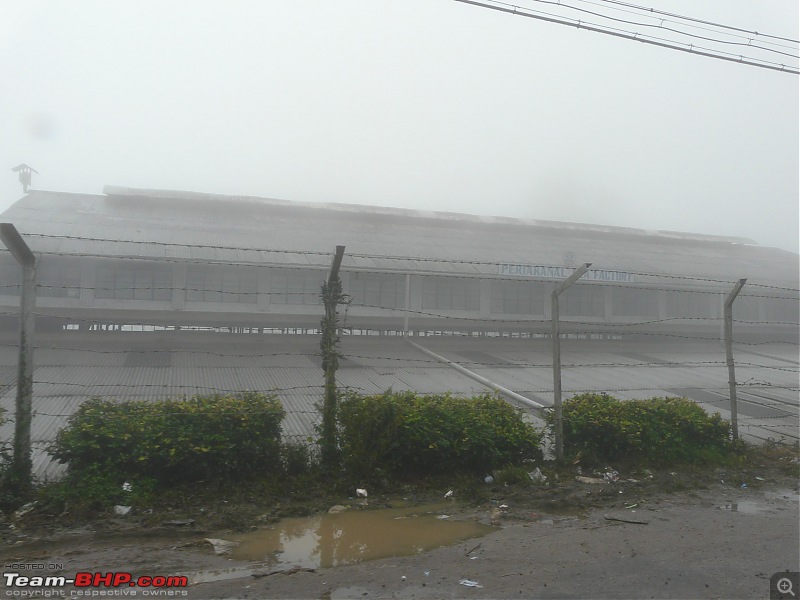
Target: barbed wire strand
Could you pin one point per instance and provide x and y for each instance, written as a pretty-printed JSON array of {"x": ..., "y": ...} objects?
[{"x": 328, "y": 255}]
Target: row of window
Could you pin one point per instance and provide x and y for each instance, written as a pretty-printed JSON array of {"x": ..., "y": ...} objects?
[{"x": 299, "y": 287}]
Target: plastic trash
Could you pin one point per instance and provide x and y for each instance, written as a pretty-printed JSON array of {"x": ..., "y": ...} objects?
[
  {"x": 611, "y": 474},
  {"x": 127, "y": 487},
  {"x": 744, "y": 486},
  {"x": 221, "y": 546},
  {"x": 470, "y": 583},
  {"x": 25, "y": 509},
  {"x": 403, "y": 578},
  {"x": 122, "y": 510},
  {"x": 589, "y": 479},
  {"x": 449, "y": 494},
  {"x": 442, "y": 516},
  {"x": 180, "y": 523},
  {"x": 489, "y": 479},
  {"x": 361, "y": 493},
  {"x": 537, "y": 476}
]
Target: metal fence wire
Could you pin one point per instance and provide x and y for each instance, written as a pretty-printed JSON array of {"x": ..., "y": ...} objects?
[{"x": 153, "y": 337}]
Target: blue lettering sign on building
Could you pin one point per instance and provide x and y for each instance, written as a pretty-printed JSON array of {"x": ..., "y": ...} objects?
[{"x": 564, "y": 272}]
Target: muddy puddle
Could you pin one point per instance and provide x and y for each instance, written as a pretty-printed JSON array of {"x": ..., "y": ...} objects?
[
  {"x": 352, "y": 536},
  {"x": 355, "y": 535},
  {"x": 746, "y": 507}
]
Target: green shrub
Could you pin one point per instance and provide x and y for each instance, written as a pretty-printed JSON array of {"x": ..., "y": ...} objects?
[
  {"x": 5, "y": 445},
  {"x": 600, "y": 428},
  {"x": 401, "y": 433},
  {"x": 512, "y": 475},
  {"x": 174, "y": 440},
  {"x": 9, "y": 492},
  {"x": 297, "y": 458},
  {"x": 95, "y": 488}
]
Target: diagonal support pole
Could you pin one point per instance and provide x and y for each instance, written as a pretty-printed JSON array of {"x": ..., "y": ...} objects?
[{"x": 729, "y": 356}]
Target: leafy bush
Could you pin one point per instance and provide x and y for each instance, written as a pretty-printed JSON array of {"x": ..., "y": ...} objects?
[
  {"x": 402, "y": 433},
  {"x": 95, "y": 488},
  {"x": 512, "y": 475},
  {"x": 601, "y": 428},
  {"x": 174, "y": 440},
  {"x": 297, "y": 458},
  {"x": 5, "y": 445},
  {"x": 9, "y": 492}
]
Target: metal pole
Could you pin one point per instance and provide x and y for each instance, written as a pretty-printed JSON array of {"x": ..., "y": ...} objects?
[
  {"x": 335, "y": 264},
  {"x": 535, "y": 407},
  {"x": 579, "y": 272},
  {"x": 729, "y": 355},
  {"x": 21, "y": 462},
  {"x": 408, "y": 304}
]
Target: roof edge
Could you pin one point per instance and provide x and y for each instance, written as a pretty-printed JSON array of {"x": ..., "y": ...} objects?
[{"x": 122, "y": 191}]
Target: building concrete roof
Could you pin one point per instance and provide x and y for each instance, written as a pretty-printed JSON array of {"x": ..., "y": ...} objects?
[{"x": 188, "y": 226}]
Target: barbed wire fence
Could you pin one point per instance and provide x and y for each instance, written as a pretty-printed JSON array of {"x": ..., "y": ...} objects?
[{"x": 75, "y": 366}]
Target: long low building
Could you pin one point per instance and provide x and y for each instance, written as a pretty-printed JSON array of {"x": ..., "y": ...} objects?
[
  {"x": 156, "y": 294},
  {"x": 135, "y": 259}
]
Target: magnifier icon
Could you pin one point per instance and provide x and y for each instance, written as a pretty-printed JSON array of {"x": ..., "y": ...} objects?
[{"x": 784, "y": 586}]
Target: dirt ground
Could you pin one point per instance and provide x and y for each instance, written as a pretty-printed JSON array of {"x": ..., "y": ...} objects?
[{"x": 712, "y": 541}]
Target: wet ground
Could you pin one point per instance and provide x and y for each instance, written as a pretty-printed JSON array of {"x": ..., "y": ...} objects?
[
  {"x": 352, "y": 536},
  {"x": 720, "y": 542}
]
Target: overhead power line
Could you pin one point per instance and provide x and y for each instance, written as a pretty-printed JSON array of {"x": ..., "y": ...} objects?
[
  {"x": 660, "y": 25},
  {"x": 660, "y": 12},
  {"x": 690, "y": 48}
]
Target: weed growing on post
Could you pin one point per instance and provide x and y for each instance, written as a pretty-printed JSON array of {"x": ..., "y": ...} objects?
[
  {"x": 599, "y": 428},
  {"x": 405, "y": 434},
  {"x": 332, "y": 296}
]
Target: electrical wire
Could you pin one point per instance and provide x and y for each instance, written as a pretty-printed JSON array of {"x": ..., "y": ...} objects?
[
  {"x": 650, "y": 13},
  {"x": 655, "y": 11},
  {"x": 660, "y": 26},
  {"x": 635, "y": 36}
]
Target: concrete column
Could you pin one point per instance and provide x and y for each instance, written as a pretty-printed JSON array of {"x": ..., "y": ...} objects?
[
  {"x": 263, "y": 290},
  {"x": 88, "y": 279},
  {"x": 179, "y": 277}
]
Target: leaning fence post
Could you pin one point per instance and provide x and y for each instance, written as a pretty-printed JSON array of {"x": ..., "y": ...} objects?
[
  {"x": 729, "y": 355},
  {"x": 559, "y": 427},
  {"x": 21, "y": 463}
]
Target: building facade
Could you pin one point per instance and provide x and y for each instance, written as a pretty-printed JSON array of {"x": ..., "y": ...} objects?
[{"x": 140, "y": 260}]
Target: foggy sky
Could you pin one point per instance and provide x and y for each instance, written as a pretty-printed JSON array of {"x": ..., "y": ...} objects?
[{"x": 427, "y": 104}]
